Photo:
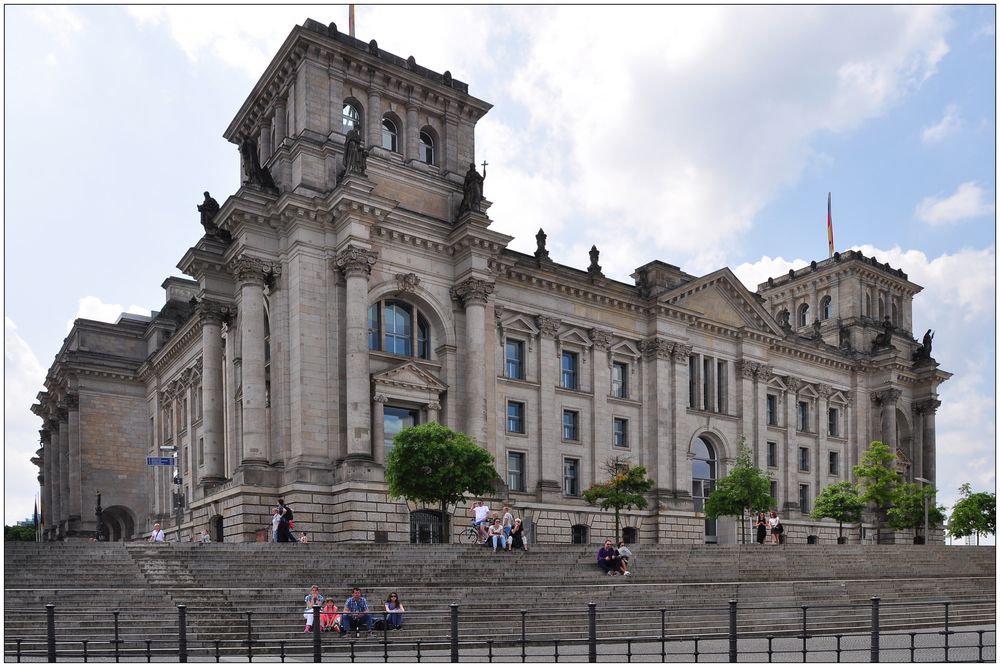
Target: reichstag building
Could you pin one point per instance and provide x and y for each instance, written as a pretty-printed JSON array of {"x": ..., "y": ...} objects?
[{"x": 355, "y": 285}]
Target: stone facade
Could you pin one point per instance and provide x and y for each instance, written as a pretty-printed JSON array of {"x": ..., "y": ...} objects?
[{"x": 350, "y": 300}]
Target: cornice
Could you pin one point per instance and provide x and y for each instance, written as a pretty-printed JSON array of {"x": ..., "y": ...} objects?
[
  {"x": 174, "y": 348},
  {"x": 517, "y": 278}
]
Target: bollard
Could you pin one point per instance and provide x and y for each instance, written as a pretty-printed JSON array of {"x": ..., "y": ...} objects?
[
  {"x": 875, "y": 635},
  {"x": 182, "y": 643},
  {"x": 732, "y": 631},
  {"x": 489, "y": 650},
  {"x": 592, "y": 632},
  {"x": 317, "y": 646},
  {"x": 118, "y": 640},
  {"x": 770, "y": 650},
  {"x": 524, "y": 654},
  {"x": 454, "y": 632},
  {"x": 84, "y": 642},
  {"x": 556, "y": 643},
  {"x": 50, "y": 630},
  {"x": 218, "y": 655},
  {"x": 385, "y": 638}
]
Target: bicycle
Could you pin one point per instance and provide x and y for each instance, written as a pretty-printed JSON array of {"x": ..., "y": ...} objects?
[{"x": 471, "y": 536}]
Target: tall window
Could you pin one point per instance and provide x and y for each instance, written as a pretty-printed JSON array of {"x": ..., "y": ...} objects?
[
  {"x": 826, "y": 308},
  {"x": 868, "y": 305},
  {"x": 514, "y": 359},
  {"x": 772, "y": 455},
  {"x": 426, "y": 147},
  {"x": 703, "y": 469},
  {"x": 351, "y": 117},
  {"x": 693, "y": 381},
  {"x": 706, "y": 383},
  {"x": 721, "y": 386},
  {"x": 833, "y": 422},
  {"x": 895, "y": 314},
  {"x": 394, "y": 420},
  {"x": 803, "y": 416},
  {"x": 835, "y": 464},
  {"x": 515, "y": 471},
  {"x": 571, "y": 477},
  {"x": 803, "y": 315},
  {"x": 804, "y": 459},
  {"x": 515, "y": 417},
  {"x": 619, "y": 432},
  {"x": 569, "y": 370},
  {"x": 772, "y": 410},
  {"x": 571, "y": 425},
  {"x": 391, "y": 330},
  {"x": 389, "y": 135},
  {"x": 774, "y": 491},
  {"x": 804, "y": 498},
  {"x": 619, "y": 380}
]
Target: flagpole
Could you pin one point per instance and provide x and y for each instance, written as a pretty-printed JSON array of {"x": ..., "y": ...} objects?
[
  {"x": 829, "y": 221},
  {"x": 350, "y": 20}
]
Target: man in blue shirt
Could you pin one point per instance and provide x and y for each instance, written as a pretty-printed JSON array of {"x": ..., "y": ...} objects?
[{"x": 355, "y": 614}]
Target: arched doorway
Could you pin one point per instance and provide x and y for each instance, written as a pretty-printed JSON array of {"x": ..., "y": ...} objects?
[
  {"x": 119, "y": 526},
  {"x": 216, "y": 528},
  {"x": 703, "y": 473}
]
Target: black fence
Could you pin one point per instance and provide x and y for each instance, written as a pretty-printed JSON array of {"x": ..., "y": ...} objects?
[{"x": 730, "y": 633}]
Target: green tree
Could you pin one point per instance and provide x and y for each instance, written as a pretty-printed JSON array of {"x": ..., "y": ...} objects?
[
  {"x": 624, "y": 490},
  {"x": 839, "y": 502},
  {"x": 973, "y": 513},
  {"x": 745, "y": 489},
  {"x": 878, "y": 479},
  {"x": 907, "y": 509},
  {"x": 18, "y": 534},
  {"x": 432, "y": 464}
]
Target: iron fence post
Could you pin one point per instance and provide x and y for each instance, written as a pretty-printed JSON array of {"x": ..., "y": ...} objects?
[
  {"x": 385, "y": 637},
  {"x": 732, "y": 630},
  {"x": 489, "y": 650},
  {"x": 50, "y": 630},
  {"x": 805, "y": 626},
  {"x": 249, "y": 637},
  {"x": 118, "y": 640},
  {"x": 556, "y": 642},
  {"x": 317, "y": 645},
  {"x": 947, "y": 631},
  {"x": 770, "y": 650},
  {"x": 182, "y": 648},
  {"x": 592, "y": 631},
  {"x": 149, "y": 650},
  {"x": 85, "y": 642},
  {"x": 218, "y": 656},
  {"x": 524, "y": 654},
  {"x": 454, "y": 632},
  {"x": 663, "y": 635},
  {"x": 875, "y": 631}
]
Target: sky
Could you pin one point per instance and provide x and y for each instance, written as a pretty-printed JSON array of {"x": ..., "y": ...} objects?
[{"x": 701, "y": 136}]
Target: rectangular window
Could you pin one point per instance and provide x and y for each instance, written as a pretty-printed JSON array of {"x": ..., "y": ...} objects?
[
  {"x": 515, "y": 417},
  {"x": 706, "y": 383},
  {"x": 693, "y": 381},
  {"x": 571, "y": 477},
  {"x": 201, "y": 451},
  {"x": 833, "y": 422},
  {"x": 619, "y": 380},
  {"x": 804, "y": 498},
  {"x": 803, "y": 416},
  {"x": 515, "y": 471},
  {"x": 772, "y": 455},
  {"x": 774, "y": 491},
  {"x": 571, "y": 423},
  {"x": 772, "y": 410},
  {"x": 198, "y": 405},
  {"x": 835, "y": 464},
  {"x": 569, "y": 370},
  {"x": 514, "y": 359},
  {"x": 804, "y": 459},
  {"x": 184, "y": 415},
  {"x": 619, "y": 432},
  {"x": 721, "y": 386}
]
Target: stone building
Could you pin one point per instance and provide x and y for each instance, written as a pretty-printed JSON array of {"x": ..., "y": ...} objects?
[{"x": 355, "y": 285}]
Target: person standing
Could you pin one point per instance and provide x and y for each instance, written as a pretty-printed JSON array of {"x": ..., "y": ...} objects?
[
  {"x": 508, "y": 524},
  {"x": 761, "y": 524},
  {"x": 776, "y": 528},
  {"x": 157, "y": 534},
  {"x": 275, "y": 521},
  {"x": 481, "y": 512}
]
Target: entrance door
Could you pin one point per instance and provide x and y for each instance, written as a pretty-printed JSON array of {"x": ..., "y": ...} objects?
[{"x": 425, "y": 527}]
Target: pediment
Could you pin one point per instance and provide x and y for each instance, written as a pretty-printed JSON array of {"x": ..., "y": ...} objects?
[
  {"x": 838, "y": 397},
  {"x": 901, "y": 458},
  {"x": 808, "y": 392},
  {"x": 777, "y": 383},
  {"x": 626, "y": 348},
  {"x": 575, "y": 336},
  {"x": 519, "y": 323},
  {"x": 411, "y": 376},
  {"x": 720, "y": 297}
]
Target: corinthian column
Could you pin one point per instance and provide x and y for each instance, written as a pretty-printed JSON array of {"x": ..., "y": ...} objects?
[
  {"x": 250, "y": 276},
  {"x": 49, "y": 486},
  {"x": 474, "y": 293},
  {"x": 73, "y": 442},
  {"x": 887, "y": 399},
  {"x": 211, "y": 391},
  {"x": 928, "y": 454},
  {"x": 356, "y": 264}
]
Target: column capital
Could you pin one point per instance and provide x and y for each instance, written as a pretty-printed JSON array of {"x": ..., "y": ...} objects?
[
  {"x": 433, "y": 405},
  {"x": 888, "y": 396},
  {"x": 380, "y": 398},
  {"x": 682, "y": 352},
  {"x": 548, "y": 326},
  {"x": 252, "y": 270},
  {"x": 656, "y": 348},
  {"x": 824, "y": 390},
  {"x": 72, "y": 401},
  {"x": 747, "y": 368},
  {"x": 214, "y": 312},
  {"x": 793, "y": 384},
  {"x": 601, "y": 338},
  {"x": 928, "y": 407},
  {"x": 356, "y": 261},
  {"x": 764, "y": 372},
  {"x": 472, "y": 291}
]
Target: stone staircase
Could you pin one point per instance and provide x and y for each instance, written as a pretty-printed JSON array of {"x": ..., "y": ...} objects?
[{"x": 236, "y": 592}]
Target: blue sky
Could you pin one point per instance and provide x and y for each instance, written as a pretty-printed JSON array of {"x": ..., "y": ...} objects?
[{"x": 701, "y": 136}]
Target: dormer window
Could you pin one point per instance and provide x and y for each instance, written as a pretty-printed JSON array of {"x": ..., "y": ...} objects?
[
  {"x": 426, "y": 147},
  {"x": 389, "y": 135}
]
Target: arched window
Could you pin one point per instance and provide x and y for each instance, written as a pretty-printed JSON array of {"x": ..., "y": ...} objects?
[
  {"x": 391, "y": 330},
  {"x": 426, "y": 147},
  {"x": 579, "y": 533},
  {"x": 826, "y": 308},
  {"x": 803, "y": 318},
  {"x": 351, "y": 116},
  {"x": 703, "y": 474},
  {"x": 389, "y": 135},
  {"x": 630, "y": 535}
]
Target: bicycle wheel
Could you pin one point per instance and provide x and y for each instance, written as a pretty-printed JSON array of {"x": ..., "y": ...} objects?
[{"x": 469, "y": 537}]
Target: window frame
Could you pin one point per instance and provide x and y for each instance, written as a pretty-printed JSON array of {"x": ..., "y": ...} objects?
[
  {"x": 802, "y": 413},
  {"x": 575, "y": 425},
  {"x": 571, "y": 484},
  {"x": 826, "y": 307},
  {"x": 771, "y": 409},
  {"x": 804, "y": 459},
  {"x": 623, "y": 432},
  {"x": 344, "y": 116},
  {"x": 419, "y": 338},
  {"x": 802, "y": 315},
  {"x": 804, "y": 498},
  {"x": 426, "y": 151},
  {"x": 571, "y": 374},
  {"x": 833, "y": 422},
  {"x": 392, "y": 134},
  {"x": 521, "y": 417},
  {"x": 619, "y": 386},
  {"x": 522, "y": 487},
  {"x": 833, "y": 463},
  {"x": 772, "y": 454},
  {"x": 518, "y": 344}
]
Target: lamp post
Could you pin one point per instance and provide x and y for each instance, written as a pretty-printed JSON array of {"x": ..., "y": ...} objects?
[{"x": 927, "y": 529}]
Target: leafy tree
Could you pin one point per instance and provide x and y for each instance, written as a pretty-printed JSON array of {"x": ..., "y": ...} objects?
[
  {"x": 974, "y": 513},
  {"x": 878, "y": 479},
  {"x": 18, "y": 534},
  {"x": 623, "y": 491},
  {"x": 432, "y": 464},
  {"x": 907, "y": 509},
  {"x": 839, "y": 502},
  {"x": 745, "y": 488}
]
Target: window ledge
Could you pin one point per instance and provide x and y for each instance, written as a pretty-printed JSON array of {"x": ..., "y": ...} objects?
[
  {"x": 573, "y": 392},
  {"x": 516, "y": 381},
  {"x": 516, "y": 434},
  {"x": 624, "y": 401}
]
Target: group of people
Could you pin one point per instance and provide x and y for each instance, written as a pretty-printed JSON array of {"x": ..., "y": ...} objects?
[
  {"x": 505, "y": 533},
  {"x": 614, "y": 561},
  {"x": 355, "y": 616},
  {"x": 769, "y": 524},
  {"x": 282, "y": 523}
]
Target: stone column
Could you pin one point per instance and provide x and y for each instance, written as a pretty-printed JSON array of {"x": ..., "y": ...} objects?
[
  {"x": 473, "y": 293},
  {"x": 887, "y": 400},
  {"x": 822, "y": 458},
  {"x": 265, "y": 140},
  {"x": 748, "y": 425},
  {"x": 374, "y": 117},
  {"x": 601, "y": 413},
  {"x": 762, "y": 374},
  {"x": 549, "y": 414},
  {"x": 250, "y": 276},
  {"x": 928, "y": 456},
  {"x": 63, "y": 468},
  {"x": 75, "y": 471},
  {"x": 917, "y": 439},
  {"x": 680, "y": 474},
  {"x": 378, "y": 427},
  {"x": 356, "y": 264},
  {"x": 212, "y": 427},
  {"x": 280, "y": 123},
  {"x": 412, "y": 133},
  {"x": 791, "y": 456},
  {"x": 434, "y": 412},
  {"x": 49, "y": 486}
]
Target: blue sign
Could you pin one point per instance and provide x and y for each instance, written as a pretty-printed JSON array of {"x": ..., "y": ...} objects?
[{"x": 159, "y": 460}]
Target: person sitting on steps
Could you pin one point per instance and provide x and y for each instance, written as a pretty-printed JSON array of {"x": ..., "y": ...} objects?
[
  {"x": 312, "y": 599},
  {"x": 607, "y": 558},
  {"x": 624, "y": 553},
  {"x": 498, "y": 536},
  {"x": 355, "y": 615}
]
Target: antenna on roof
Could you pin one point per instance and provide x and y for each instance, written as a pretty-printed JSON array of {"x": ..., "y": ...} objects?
[{"x": 350, "y": 20}]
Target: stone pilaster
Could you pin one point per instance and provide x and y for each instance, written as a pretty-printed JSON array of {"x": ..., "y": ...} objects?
[
  {"x": 280, "y": 123},
  {"x": 212, "y": 427},
  {"x": 790, "y": 466},
  {"x": 601, "y": 415},
  {"x": 929, "y": 452},
  {"x": 412, "y": 133},
  {"x": 550, "y": 414},
  {"x": 746, "y": 371},
  {"x": 378, "y": 427},
  {"x": 680, "y": 469},
  {"x": 49, "y": 485},
  {"x": 474, "y": 293},
  {"x": 887, "y": 401},
  {"x": 64, "y": 501},
  {"x": 75, "y": 470},
  {"x": 373, "y": 116},
  {"x": 822, "y": 458}
]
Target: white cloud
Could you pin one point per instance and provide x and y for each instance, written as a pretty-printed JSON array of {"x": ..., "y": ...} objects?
[
  {"x": 944, "y": 128},
  {"x": 62, "y": 23},
  {"x": 23, "y": 379},
  {"x": 92, "y": 308},
  {"x": 755, "y": 273},
  {"x": 969, "y": 201}
]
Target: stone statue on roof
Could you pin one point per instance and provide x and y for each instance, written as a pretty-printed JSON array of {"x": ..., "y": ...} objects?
[{"x": 472, "y": 190}]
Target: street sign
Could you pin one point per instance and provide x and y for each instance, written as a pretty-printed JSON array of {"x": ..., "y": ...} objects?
[{"x": 159, "y": 460}]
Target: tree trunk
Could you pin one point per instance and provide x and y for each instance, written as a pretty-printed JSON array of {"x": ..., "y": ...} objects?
[
  {"x": 445, "y": 528},
  {"x": 617, "y": 527}
]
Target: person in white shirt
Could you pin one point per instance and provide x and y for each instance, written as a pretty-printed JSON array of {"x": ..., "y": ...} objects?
[
  {"x": 776, "y": 528},
  {"x": 157, "y": 534},
  {"x": 275, "y": 520},
  {"x": 482, "y": 512}
]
